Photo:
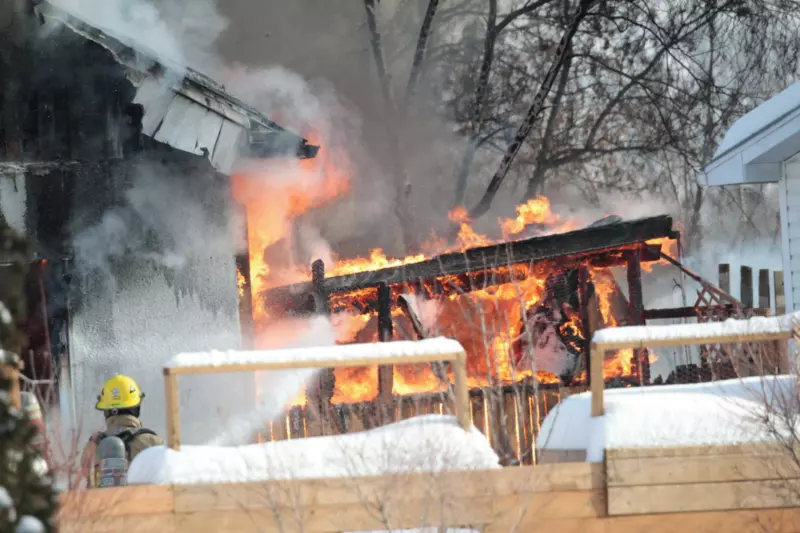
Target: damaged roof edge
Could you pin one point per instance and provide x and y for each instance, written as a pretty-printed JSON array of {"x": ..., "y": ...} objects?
[{"x": 181, "y": 128}]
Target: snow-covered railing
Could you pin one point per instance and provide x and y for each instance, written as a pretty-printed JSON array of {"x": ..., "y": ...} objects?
[
  {"x": 348, "y": 355},
  {"x": 756, "y": 329}
]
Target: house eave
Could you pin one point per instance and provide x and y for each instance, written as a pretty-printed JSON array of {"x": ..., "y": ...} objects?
[
  {"x": 188, "y": 110},
  {"x": 759, "y": 159}
]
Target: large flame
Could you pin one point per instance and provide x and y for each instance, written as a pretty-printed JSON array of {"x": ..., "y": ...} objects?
[{"x": 487, "y": 322}]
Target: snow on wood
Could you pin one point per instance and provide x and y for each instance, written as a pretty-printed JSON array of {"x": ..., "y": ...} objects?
[
  {"x": 439, "y": 348},
  {"x": 430, "y": 443},
  {"x": 731, "y": 330},
  {"x": 703, "y": 414}
]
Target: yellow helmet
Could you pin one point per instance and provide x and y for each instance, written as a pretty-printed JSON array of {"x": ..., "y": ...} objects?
[{"x": 119, "y": 392}]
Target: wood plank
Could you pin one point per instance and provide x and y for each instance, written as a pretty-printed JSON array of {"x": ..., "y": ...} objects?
[
  {"x": 724, "y": 277},
  {"x": 699, "y": 469},
  {"x": 140, "y": 523},
  {"x": 394, "y": 513},
  {"x": 506, "y": 481},
  {"x": 649, "y": 499},
  {"x": 755, "y": 448},
  {"x": 693, "y": 341},
  {"x": 411, "y": 359},
  {"x": 764, "y": 296},
  {"x": 749, "y": 521},
  {"x": 780, "y": 295},
  {"x": 746, "y": 286},
  {"x": 156, "y": 100},
  {"x": 117, "y": 501}
]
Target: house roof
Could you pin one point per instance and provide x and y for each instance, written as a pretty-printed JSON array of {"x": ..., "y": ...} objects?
[
  {"x": 184, "y": 108},
  {"x": 756, "y": 145}
]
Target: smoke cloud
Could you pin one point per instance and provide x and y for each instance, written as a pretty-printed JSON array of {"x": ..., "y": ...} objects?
[{"x": 278, "y": 388}]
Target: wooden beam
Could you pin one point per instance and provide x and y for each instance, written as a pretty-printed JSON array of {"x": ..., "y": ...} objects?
[
  {"x": 732, "y": 338},
  {"x": 584, "y": 297},
  {"x": 598, "y": 382},
  {"x": 636, "y": 310},
  {"x": 172, "y": 404},
  {"x": 724, "y": 277},
  {"x": 585, "y": 243},
  {"x": 780, "y": 296},
  {"x": 385, "y": 334},
  {"x": 691, "y": 312},
  {"x": 458, "y": 359},
  {"x": 691, "y": 497},
  {"x": 746, "y": 286},
  {"x": 763, "y": 289}
]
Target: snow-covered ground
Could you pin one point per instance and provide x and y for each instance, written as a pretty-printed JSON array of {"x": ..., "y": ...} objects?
[
  {"x": 430, "y": 443},
  {"x": 716, "y": 413}
]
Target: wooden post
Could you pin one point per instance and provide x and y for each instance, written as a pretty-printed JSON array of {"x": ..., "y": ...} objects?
[
  {"x": 462, "y": 391},
  {"x": 596, "y": 384},
  {"x": 584, "y": 299},
  {"x": 725, "y": 278},
  {"x": 746, "y": 287},
  {"x": 172, "y": 404},
  {"x": 763, "y": 289},
  {"x": 385, "y": 334},
  {"x": 320, "y": 390},
  {"x": 780, "y": 296},
  {"x": 636, "y": 304}
]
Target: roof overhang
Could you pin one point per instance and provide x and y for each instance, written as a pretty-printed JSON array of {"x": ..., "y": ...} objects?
[
  {"x": 187, "y": 110},
  {"x": 759, "y": 155}
]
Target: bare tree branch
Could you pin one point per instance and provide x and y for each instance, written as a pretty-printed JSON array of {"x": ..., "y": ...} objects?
[
  {"x": 561, "y": 54},
  {"x": 422, "y": 45},
  {"x": 377, "y": 51}
]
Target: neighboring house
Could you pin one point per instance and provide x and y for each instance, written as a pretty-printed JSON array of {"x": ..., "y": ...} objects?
[
  {"x": 764, "y": 147},
  {"x": 108, "y": 158}
]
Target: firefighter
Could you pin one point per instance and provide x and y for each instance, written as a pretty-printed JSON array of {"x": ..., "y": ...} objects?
[{"x": 120, "y": 400}]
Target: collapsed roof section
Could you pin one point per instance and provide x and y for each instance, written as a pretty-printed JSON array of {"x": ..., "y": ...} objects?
[{"x": 184, "y": 108}]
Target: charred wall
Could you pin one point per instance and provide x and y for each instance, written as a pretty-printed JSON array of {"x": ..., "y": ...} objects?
[{"x": 136, "y": 233}]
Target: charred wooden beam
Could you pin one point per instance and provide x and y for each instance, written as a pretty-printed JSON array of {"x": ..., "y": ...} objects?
[
  {"x": 365, "y": 300},
  {"x": 586, "y": 243},
  {"x": 385, "y": 334},
  {"x": 691, "y": 312},
  {"x": 636, "y": 308},
  {"x": 584, "y": 296},
  {"x": 320, "y": 390}
]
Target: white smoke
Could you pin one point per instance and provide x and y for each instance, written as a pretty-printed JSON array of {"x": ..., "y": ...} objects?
[{"x": 278, "y": 388}]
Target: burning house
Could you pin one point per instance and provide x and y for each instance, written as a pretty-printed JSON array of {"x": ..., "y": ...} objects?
[{"x": 111, "y": 158}]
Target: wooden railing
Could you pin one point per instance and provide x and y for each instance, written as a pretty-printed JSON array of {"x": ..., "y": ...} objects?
[
  {"x": 315, "y": 358},
  {"x": 636, "y": 337}
]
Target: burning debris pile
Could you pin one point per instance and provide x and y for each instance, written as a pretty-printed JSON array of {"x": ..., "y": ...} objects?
[{"x": 540, "y": 289}]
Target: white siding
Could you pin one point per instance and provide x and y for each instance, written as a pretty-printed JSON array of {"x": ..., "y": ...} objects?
[{"x": 790, "y": 230}]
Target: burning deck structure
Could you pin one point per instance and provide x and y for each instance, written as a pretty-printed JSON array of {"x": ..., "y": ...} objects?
[{"x": 504, "y": 302}]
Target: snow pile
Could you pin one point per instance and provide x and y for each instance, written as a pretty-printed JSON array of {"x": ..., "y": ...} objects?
[
  {"x": 718, "y": 413},
  {"x": 428, "y": 443},
  {"x": 730, "y": 327},
  {"x": 433, "y": 346}
]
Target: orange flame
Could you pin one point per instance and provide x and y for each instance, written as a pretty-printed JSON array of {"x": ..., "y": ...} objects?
[{"x": 487, "y": 322}]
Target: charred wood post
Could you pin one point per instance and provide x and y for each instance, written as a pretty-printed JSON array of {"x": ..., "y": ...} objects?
[
  {"x": 636, "y": 303},
  {"x": 246, "y": 325},
  {"x": 385, "y": 334},
  {"x": 320, "y": 390},
  {"x": 584, "y": 297}
]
